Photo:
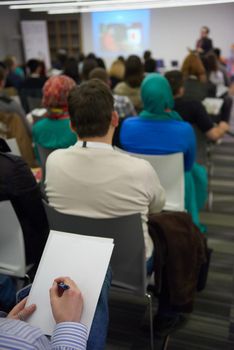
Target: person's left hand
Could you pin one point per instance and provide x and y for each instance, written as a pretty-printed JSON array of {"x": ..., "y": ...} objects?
[{"x": 20, "y": 312}]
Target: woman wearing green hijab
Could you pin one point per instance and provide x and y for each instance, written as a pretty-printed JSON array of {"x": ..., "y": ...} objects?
[{"x": 160, "y": 130}]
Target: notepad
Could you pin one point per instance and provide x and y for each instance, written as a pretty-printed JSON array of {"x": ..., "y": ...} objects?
[{"x": 85, "y": 259}]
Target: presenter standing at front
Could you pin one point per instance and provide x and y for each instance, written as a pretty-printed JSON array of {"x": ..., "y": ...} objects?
[{"x": 204, "y": 44}]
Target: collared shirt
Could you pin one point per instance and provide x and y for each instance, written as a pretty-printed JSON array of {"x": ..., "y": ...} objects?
[{"x": 20, "y": 335}]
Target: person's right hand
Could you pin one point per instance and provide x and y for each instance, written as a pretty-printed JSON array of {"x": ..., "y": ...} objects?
[
  {"x": 67, "y": 305},
  {"x": 225, "y": 126}
]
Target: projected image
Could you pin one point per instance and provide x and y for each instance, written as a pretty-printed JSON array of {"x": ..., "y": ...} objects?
[
  {"x": 118, "y": 37},
  {"x": 120, "y": 32}
]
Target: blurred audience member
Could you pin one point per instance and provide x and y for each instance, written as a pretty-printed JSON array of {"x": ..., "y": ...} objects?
[
  {"x": 34, "y": 80},
  {"x": 122, "y": 104},
  {"x": 71, "y": 69},
  {"x": 88, "y": 65},
  {"x": 150, "y": 66},
  {"x": 147, "y": 55},
  {"x": 195, "y": 81},
  {"x": 100, "y": 62},
  {"x": 222, "y": 66},
  {"x": 193, "y": 111},
  {"x": 19, "y": 186},
  {"x": 61, "y": 58},
  {"x": 116, "y": 72},
  {"x": 13, "y": 79},
  {"x": 53, "y": 130},
  {"x": 7, "y": 104},
  {"x": 214, "y": 74},
  {"x": 132, "y": 80}
]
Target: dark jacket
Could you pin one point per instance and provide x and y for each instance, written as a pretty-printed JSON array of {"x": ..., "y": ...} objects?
[
  {"x": 181, "y": 249},
  {"x": 18, "y": 185}
]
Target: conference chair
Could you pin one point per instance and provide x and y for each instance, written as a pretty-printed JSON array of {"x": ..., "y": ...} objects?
[
  {"x": 170, "y": 170},
  {"x": 12, "y": 253},
  {"x": 43, "y": 155},
  {"x": 12, "y": 143},
  {"x": 128, "y": 258}
]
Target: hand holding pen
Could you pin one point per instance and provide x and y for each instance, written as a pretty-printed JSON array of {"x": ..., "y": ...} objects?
[{"x": 66, "y": 300}]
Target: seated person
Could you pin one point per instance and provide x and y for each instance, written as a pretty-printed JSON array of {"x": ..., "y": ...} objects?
[
  {"x": 13, "y": 79},
  {"x": 34, "y": 80},
  {"x": 123, "y": 105},
  {"x": 69, "y": 333},
  {"x": 33, "y": 84},
  {"x": 195, "y": 81},
  {"x": 91, "y": 178},
  {"x": 53, "y": 130},
  {"x": 18, "y": 185},
  {"x": 193, "y": 111},
  {"x": 7, "y": 104},
  {"x": 130, "y": 87},
  {"x": 160, "y": 130},
  {"x": 116, "y": 73},
  {"x": 197, "y": 87},
  {"x": 103, "y": 171}
]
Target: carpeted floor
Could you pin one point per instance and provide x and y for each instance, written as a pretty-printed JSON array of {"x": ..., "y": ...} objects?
[{"x": 211, "y": 325}]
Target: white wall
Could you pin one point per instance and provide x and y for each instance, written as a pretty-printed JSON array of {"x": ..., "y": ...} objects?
[
  {"x": 10, "y": 38},
  {"x": 175, "y": 29}
]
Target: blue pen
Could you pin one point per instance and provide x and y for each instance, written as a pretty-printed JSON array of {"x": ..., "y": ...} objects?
[{"x": 63, "y": 286}]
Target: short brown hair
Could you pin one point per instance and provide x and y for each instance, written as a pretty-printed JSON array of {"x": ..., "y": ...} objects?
[
  {"x": 90, "y": 107},
  {"x": 176, "y": 81},
  {"x": 99, "y": 73},
  {"x": 193, "y": 65}
]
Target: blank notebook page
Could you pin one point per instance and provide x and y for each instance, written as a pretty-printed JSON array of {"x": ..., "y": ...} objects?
[{"x": 84, "y": 259}]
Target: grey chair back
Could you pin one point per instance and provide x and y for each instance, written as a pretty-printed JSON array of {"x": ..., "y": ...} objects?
[
  {"x": 43, "y": 154},
  {"x": 128, "y": 258}
]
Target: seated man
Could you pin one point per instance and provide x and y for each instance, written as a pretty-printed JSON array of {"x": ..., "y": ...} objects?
[
  {"x": 193, "y": 111},
  {"x": 67, "y": 309},
  {"x": 91, "y": 178}
]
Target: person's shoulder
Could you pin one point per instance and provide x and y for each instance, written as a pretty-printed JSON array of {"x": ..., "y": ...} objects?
[
  {"x": 11, "y": 159},
  {"x": 58, "y": 155}
]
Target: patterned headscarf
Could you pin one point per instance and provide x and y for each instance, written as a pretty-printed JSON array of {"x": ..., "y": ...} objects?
[{"x": 56, "y": 90}]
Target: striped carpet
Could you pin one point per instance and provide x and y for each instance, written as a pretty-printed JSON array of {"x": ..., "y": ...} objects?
[{"x": 211, "y": 325}]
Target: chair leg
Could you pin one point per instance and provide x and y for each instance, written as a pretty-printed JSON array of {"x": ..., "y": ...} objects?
[
  {"x": 165, "y": 344},
  {"x": 149, "y": 297}
]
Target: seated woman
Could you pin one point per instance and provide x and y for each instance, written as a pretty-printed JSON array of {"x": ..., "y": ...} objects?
[
  {"x": 132, "y": 80},
  {"x": 195, "y": 81},
  {"x": 116, "y": 73},
  {"x": 198, "y": 87},
  {"x": 53, "y": 130},
  {"x": 160, "y": 130}
]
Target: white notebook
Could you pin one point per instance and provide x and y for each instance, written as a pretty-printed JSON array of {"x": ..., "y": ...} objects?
[{"x": 85, "y": 259}]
